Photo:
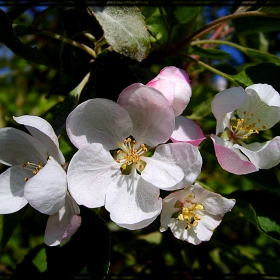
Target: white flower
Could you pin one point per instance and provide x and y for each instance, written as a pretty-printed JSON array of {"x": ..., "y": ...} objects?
[
  {"x": 193, "y": 213},
  {"x": 123, "y": 160},
  {"x": 35, "y": 175},
  {"x": 257, "y": 109}
]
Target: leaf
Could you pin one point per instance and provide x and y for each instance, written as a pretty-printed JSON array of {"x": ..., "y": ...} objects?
[
  {"x": 208, "y": 52},
  {"x": 249, "y": 25},
  {"x": 185, "y": 14},
  {"x": 155, "y": 24},
  {"x": 124, "y": 30},
  {"x": 69, "y": 103},
  {"x": 89, "y": 247},
  {"x": 261, "y": 56},
  {"x": 265, "y": 73},
  {"x": 261, "y": 208}
]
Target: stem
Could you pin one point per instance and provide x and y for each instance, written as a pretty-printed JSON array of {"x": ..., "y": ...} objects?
[
  {"x": 219, "y": 21},
  {"x": 218, "y": 42},
  {"x": 210, "y": 68},
  {"x": 83, "y": 47}
]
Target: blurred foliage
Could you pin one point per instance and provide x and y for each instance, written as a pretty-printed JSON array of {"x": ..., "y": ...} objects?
[{"x": 46, "y": 52}]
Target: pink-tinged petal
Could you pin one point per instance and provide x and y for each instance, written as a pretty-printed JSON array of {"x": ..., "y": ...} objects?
[
  {"x": 226, "y": 102},
  {"x": 98, "y": 120},
  {"x": 167, "y": 88},
  {"x": 18, "y": 147},
  {"x": 46, "y": 190},
  {"x": 63, "y": 224},
  {"x": 171, "y": 164},
  {"x": 90, "y": 172},
  {"x": 11, "y": 190},
  {"x": 182, "y": 89},
  {"x": 132, "y": 202},
  {"x": 263, "y": 155},
  {"x": 188, "y": 131},
  {"x": 151, "y": 114},
  {"x": 42, "y": 131},
  {"x": 230, "y": 160},
  {"x": 266, "y": 93}
]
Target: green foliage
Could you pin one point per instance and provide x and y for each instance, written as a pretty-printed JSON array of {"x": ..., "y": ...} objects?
[{"x": 62, "y": 55}]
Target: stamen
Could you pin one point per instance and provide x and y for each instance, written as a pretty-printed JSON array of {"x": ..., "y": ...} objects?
[
  {"x": 188, "y": 214},
  {"x": 128, "y": 155},
  {"x": 34, "y": 168}
]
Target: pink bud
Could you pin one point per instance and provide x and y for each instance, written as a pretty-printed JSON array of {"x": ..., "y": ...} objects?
[{"x": 174, "y": 84}]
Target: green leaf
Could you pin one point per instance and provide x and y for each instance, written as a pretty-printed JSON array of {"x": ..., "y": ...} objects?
[
  {"x": 156, "y": 25},
  {"x": 89, "y": 247},
  {"x": 265, "y": 73},
  {"x": 124, "y": 30},
  {"x": 208, "y": 52},
  {"x": 261, "y": 56},
  {"x": 185, "y": 14},
  {"x": 69, "y": 103},
  {"x": 261, "y": 208},
  {"x": 249, "y": 25}
]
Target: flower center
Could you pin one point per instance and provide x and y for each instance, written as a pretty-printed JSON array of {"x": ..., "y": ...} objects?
[
  {"x": 33, "y": 167},
  {"x": 129, "y": 155},
  {"x": 188, "y": 214},
  {"x": 242, "y": 128}
]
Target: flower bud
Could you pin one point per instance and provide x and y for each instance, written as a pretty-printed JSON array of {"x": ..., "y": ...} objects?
[{"x": 174, "y": 84}]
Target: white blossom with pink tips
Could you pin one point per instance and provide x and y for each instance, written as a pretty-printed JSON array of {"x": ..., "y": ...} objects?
[
  {"x": 240, "y": 115},
  {"x": 123, "y": 160},
  {"x": 193, "y": 213}
]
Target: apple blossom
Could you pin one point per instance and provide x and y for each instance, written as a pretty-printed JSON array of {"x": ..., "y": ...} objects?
[
  {"x": 240, "y": 114},
  {"x": 174, "y": 84},
  {"x": 123, "y": 161},
  {"x": 193, "y": 213},
  {"x": 35, "y": 175}
]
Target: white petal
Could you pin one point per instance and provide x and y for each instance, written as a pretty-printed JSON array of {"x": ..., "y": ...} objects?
[
  {"x": 225, "y": 102},
  {"x": 263, "y": 155},
  {"x": 171, "y": 164},
  {"x": 152, "y": 115},
  {"x": 212, "y": 202},
  {"x": 63, "y": 224},
  {"x": 11, "y": 190},
  {"x": 18, "y": 147},
  {"x": 267, "y": 93},
  {"x": 187, "y": 130},
  {"x": 132, "y": 202},
  {"x": 98, "y": 120},
  {"x": 42, "y": 131},
  {"x": 206, "y": 226},
  {"x": 46, "y": 190},
  {"x": 258, "y": 113},
  {"x": 89, "y": 174}
]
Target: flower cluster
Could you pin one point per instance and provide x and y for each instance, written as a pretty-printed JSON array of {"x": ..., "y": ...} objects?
[{"x": 131, "y": 150}]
